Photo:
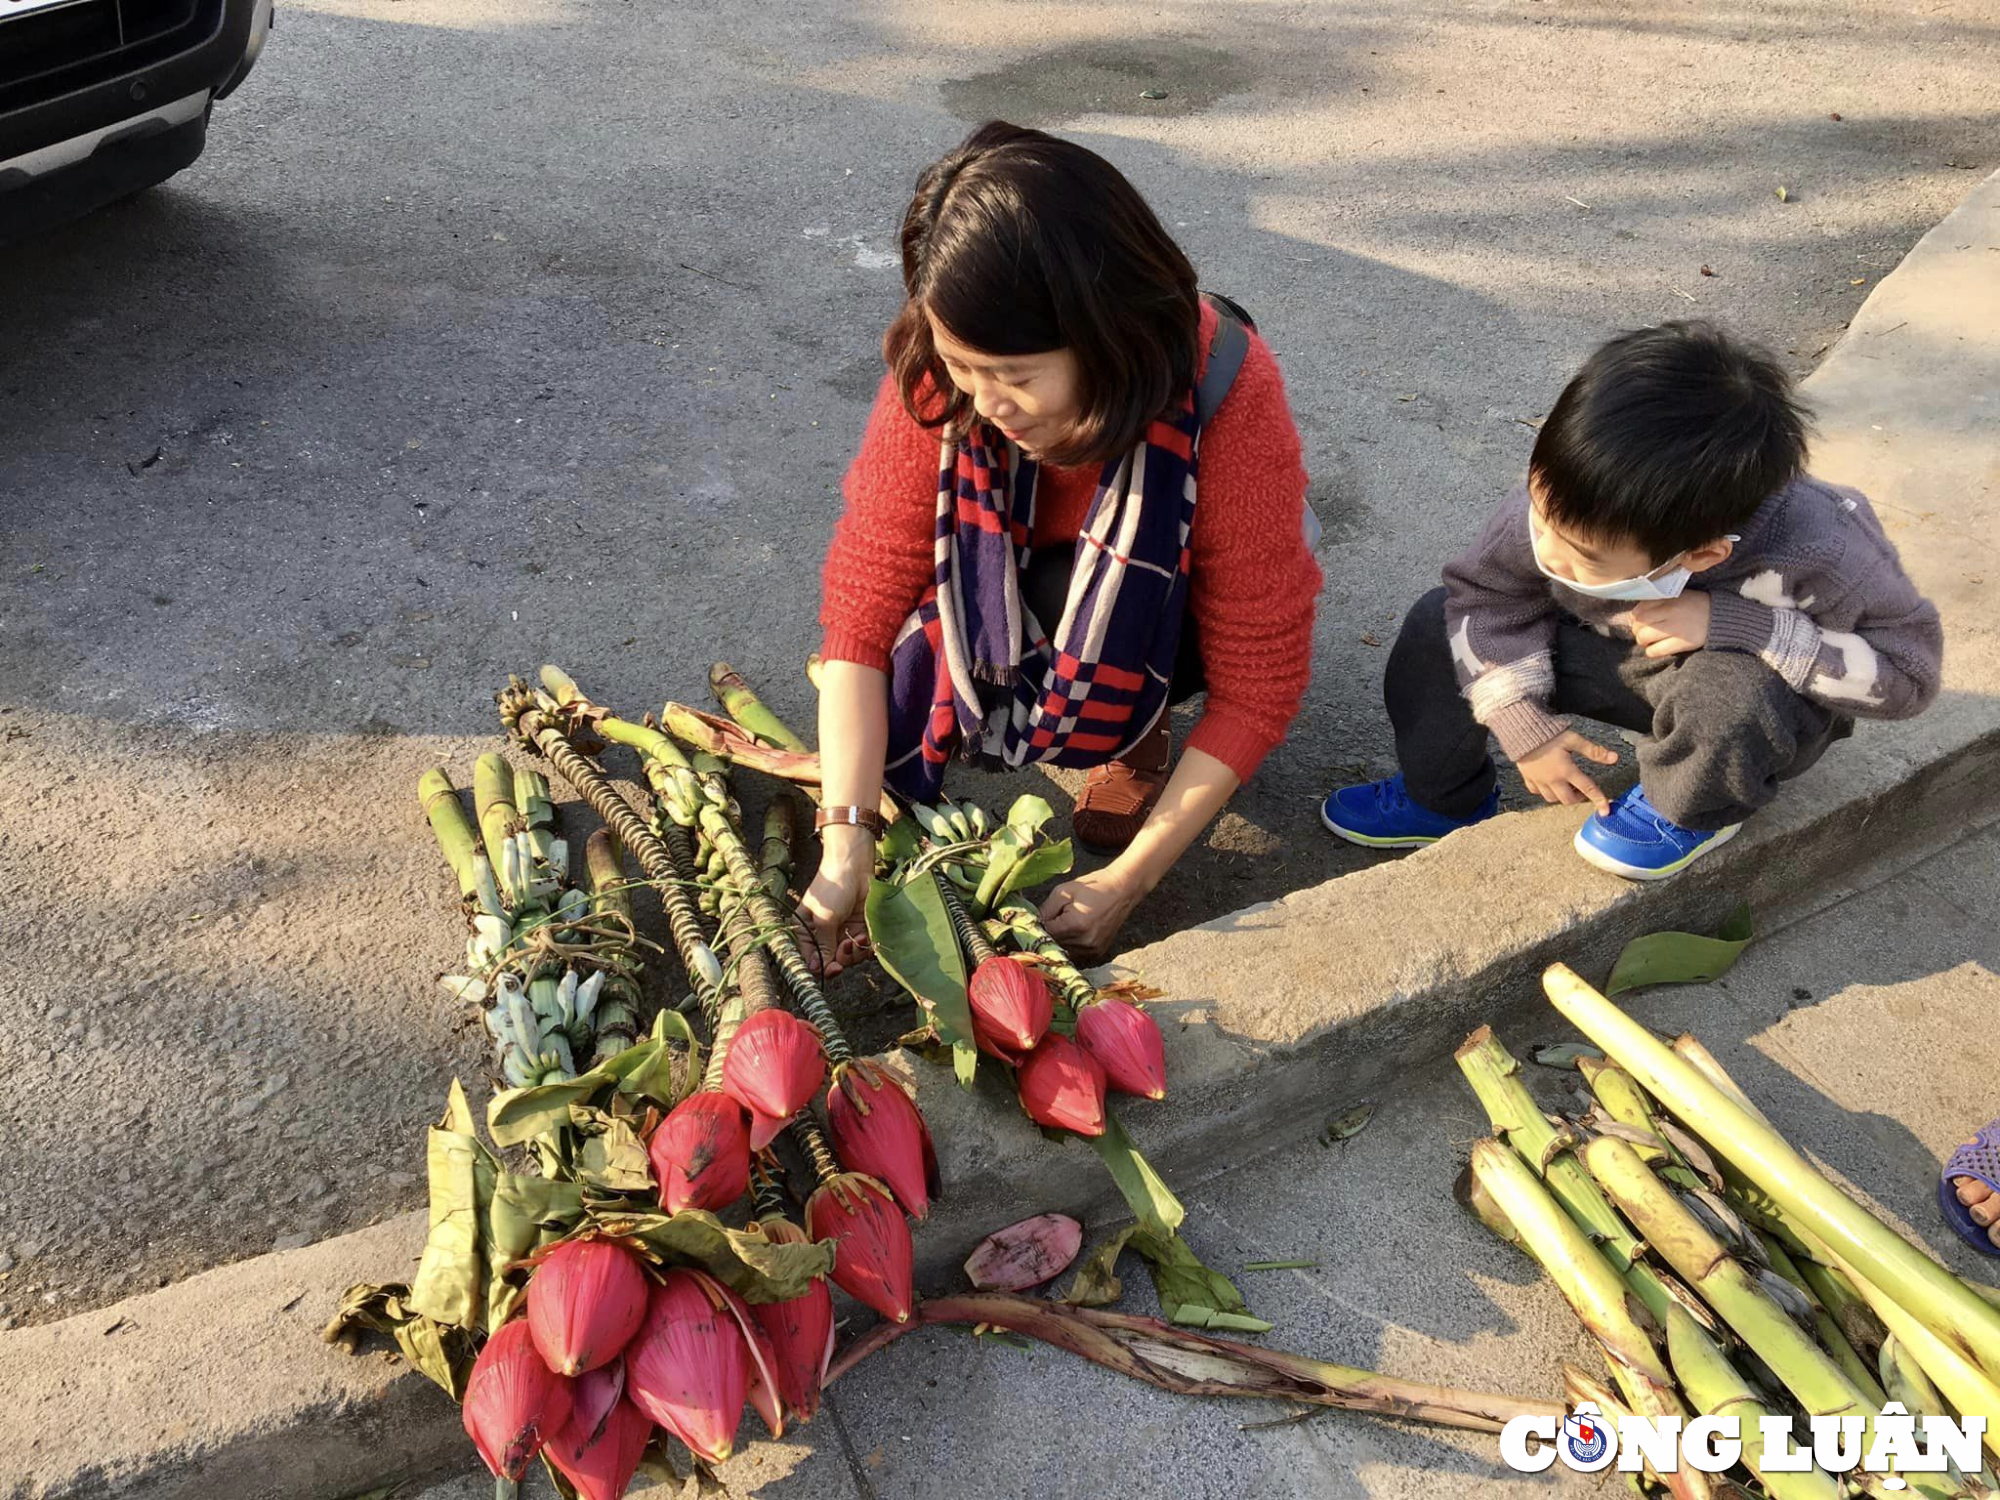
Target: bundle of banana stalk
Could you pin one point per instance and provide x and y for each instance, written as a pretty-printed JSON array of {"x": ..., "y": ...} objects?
[
  {"x": 552, "y": 968},
  {"x": 1725, "y": 1276}
]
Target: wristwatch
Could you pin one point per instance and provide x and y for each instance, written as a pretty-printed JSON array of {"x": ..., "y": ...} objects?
[{"x": 848, "y": 817}]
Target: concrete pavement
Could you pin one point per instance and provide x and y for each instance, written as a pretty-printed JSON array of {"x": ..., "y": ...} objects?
[
  {"x": 1855, "y": 1028},
  {"x": 490, "y": 332}
]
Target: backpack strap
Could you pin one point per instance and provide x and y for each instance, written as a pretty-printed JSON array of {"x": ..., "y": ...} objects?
[
  {"x": 1233, "y": 327},
  {"x": 1225, "y": 356}
]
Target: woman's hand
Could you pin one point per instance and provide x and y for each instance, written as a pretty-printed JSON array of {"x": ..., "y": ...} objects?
[
  {"x": 835, "y": 934},
  {"x": 853, "y": 731},
  {"x": 1084, "y": 914}
]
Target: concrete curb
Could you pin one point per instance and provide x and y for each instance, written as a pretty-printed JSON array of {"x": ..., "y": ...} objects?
[{"x": 1279, "y": 1014}]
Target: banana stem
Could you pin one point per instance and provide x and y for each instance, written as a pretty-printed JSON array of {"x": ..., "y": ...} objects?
[
  {"x": 1831, "y": 1338},
  {"x": 719, "y": 737},
  {"x": 970, "y": 937},
  {"x": 1715, "y": 1389},
  {"x": 545, "y": 732},
  {"x": 1495, "y": 1076},
  {"x": 779, "y": 936},
  {"x": 1586, "y": 1279},
  {"x": 1192, "y": 1364},
  {"x": 1809, "y": 1373},
  {"x": 493, "y": 803},
  {"x": 767, "y": 1198},
  {"x": 818, "y": 1152},
  {"x": 456, "y": 838},
  {"x": 617, "y": 1016},
  {"x": 1866, "y": 1248},
  {"x": 740, "y": 701},
  {"x": 776, "y": 853},
  {"x": 1026, "y": 923}
]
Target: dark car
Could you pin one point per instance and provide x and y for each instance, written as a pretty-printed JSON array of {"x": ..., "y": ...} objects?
[{"x": 101, "y": 98}]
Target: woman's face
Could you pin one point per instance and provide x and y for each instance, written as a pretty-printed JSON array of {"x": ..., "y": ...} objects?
[{"x": 1032, "y": 398}]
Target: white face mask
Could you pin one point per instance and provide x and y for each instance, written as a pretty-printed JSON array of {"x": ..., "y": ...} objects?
[{"x": 1654, "y": 585}]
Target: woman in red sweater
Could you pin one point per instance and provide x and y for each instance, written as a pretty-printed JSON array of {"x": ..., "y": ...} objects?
[{"x": 1048, "y": 539}]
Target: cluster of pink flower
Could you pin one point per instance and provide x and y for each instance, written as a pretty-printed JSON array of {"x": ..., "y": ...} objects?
[
  {"x": 1062, "y": 1080},
  {"x": 608, "y": 1351},
  {"x": 701, "y": 1151},
  {"x": 611, "y": 1349}
]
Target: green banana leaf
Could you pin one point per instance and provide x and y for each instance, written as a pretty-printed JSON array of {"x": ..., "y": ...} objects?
[
  {"x": 450, "y": 1286},
  {"x": 1037, "y": 866},
  {"x": 1152, "y": 1202},
  {"x": 1682, "y": 957},
  {"x": 1016, "y": 857},
  {"x": 669, "y": 1074},
  {"x": 653, "y": 1068},
  {"x": 1191, "y": 1293},
  {"x": 757, "y": 1269},
  {"x": 913, "y": 937},
  {"x": 901, "y": 842},
  {"x": 1030, "y": 814}
]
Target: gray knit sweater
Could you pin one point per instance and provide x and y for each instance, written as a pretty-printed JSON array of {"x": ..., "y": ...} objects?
[{"x": 1814, "y": 590}]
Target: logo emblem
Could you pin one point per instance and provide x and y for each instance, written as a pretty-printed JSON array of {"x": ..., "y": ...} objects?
[{"x": 1587, "y": 1443}]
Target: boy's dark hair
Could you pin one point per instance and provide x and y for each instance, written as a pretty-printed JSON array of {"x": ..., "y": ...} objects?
[
  {"x": 1669, "y": 437},
  {"x": 1020, "y": 243}
]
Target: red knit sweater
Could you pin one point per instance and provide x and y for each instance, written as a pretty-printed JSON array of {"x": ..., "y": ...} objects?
[{"x": 1253, "y": 583}]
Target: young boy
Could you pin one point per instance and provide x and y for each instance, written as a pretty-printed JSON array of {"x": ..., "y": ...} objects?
[{"x": 1670, "y": 568}]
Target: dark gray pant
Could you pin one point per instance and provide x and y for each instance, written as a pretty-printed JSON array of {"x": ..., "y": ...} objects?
[{"x": 1725, "y": 728}]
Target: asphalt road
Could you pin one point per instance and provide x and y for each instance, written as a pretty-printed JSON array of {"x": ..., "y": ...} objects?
[{"x": 494, "y": 333}]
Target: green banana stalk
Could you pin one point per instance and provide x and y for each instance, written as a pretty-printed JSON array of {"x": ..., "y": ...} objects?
[
  {"x": 1809, "y": 1373},
  {"x": 1589, "y": 1283},
  {"x": 1828, "y": 1330},
  {"x": 1494, "y": 1074},
  {"x": 1866, "y": 1249},
  {"x": 1715, "y": 1389},
  {"x": 740, "y": 701}
]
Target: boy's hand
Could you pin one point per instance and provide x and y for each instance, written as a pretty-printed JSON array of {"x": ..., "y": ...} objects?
[
  {"x": 1668, "y": 627},
  {"x": 1552, "y": 774}
]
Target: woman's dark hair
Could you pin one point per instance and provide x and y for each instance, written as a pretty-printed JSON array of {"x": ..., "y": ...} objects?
[
  {"x": 1669, "y": 437},
  {"x": 1020, "y": 243}
]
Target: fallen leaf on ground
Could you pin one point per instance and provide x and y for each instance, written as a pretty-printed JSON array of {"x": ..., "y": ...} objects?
[
  {"x": 1563, "y": 1054},
  {"x": 1348, "y": 1123},
  {"x": 1706, "y": 271},
  {"x": 1371, "y": 640},
  {"x": 1784, "y": 195}
]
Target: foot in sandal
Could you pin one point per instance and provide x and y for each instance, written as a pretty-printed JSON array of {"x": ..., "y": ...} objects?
[{"x": 1969, "y": 1191}]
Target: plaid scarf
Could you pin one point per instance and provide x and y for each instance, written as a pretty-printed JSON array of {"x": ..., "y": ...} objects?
[{"x": 974, "y": 672}]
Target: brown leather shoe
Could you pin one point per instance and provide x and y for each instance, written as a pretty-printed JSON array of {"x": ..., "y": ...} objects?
[{"x": 1117, "y": 798}]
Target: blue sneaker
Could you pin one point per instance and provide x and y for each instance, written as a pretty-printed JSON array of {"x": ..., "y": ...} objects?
[
  {"x": 1640, "y": 842},
  {"x": 1380, "y": 815}
]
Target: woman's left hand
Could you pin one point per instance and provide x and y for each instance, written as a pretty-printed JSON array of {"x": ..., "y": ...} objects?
[{"x": 1084, "y": 914}]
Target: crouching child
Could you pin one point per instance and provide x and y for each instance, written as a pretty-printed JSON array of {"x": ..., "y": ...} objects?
[{"x": 1670, "y": 568}]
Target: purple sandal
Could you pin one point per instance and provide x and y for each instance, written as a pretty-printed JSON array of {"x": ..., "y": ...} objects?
[{"x": 1981, "y": 1162}]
